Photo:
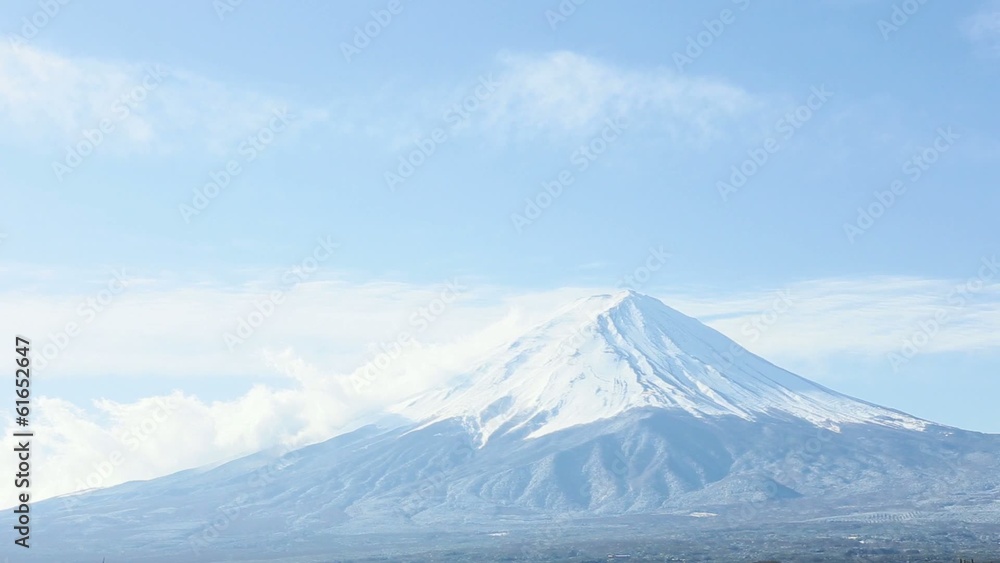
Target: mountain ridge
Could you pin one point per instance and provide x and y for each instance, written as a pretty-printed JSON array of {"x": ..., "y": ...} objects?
[
  {"x": 596, "y": 413},
  {"x": 607, "y": 354}
]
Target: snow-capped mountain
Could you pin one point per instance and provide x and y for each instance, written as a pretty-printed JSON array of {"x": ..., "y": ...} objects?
[
  {"x": 616, "y": 407},
  {"x": 608, "y": 354}
]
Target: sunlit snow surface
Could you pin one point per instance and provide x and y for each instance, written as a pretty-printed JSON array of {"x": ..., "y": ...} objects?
[
  {"x": 607, "y": 354},
  {"x": 617, "y": 408}
]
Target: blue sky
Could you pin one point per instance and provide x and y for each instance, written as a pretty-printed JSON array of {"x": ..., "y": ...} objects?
[{"x": 638, "y": 117}]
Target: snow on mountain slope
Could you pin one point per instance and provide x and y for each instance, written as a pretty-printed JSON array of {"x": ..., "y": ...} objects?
[
  {"x": 608, "y": 354},
  {"x": 618, "y": 406}
]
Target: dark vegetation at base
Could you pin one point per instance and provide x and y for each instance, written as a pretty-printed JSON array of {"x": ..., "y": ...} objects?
[{"x": 861, "y": 543}]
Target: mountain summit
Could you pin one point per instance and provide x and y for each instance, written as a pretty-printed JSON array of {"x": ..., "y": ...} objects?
[
  {"x": 608, "y": 354},
  {"x": 616, "y": 411}
]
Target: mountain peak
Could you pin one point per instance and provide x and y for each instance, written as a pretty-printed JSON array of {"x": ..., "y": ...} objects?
[
  {"x": 626, "y": 308},
  {"x": 625, "y": 297},
  {"x": 607, "y": 354},
  {"x": 628, "y": 295}
]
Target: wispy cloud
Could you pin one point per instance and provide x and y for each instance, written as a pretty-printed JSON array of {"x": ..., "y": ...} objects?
[
  {"x": 356, "y": 325},
  {"x": 984, "y": 28},
  {"x": 329, "y": 332},
  {"x": 563, "y": 95},
  {"x": 566, "y": 92},
  {"x": 334, "y": 323},
  {"x": 55, "y": 99},
  {"x": 858, "y": 317}
]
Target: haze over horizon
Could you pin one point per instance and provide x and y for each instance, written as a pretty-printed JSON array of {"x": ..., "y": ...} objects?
[
  {"x": 613, "y": 420},
  {"x": 217, "y": 215}
]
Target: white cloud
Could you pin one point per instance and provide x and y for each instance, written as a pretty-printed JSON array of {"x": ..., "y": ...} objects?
[
  {"x": 137, "y": 331},
  {"x": 566, "y": 92},
  {"x": 329, "y": 330},
  {"x": 145, "y": 327},
  {"x": 565, "y": 95},
  {"x": 984, "y": 28},
  {"x": 51, "y": 98},
  {"x": 860, "y": 317}
]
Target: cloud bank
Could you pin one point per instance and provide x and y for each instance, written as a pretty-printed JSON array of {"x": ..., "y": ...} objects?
[{"x": 399, "y": 339}]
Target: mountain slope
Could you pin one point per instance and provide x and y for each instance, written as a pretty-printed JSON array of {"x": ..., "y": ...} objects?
[
  {"x": 412, "y": 480},
  {"x": 608, "y": 354},
  {"x": 617, "y": 407}
]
